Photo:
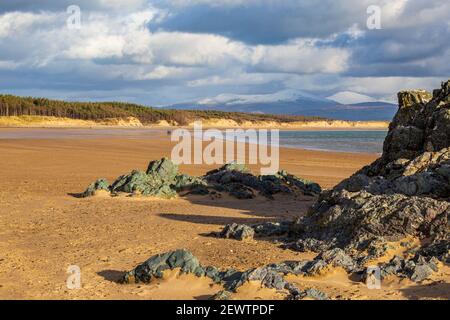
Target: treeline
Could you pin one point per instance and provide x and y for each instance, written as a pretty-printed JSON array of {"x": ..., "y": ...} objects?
[{"x": 19, "y": 106}]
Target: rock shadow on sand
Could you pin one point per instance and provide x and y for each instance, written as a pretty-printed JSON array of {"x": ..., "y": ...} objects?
[
  {"x": 112, "y": 275},
  {"x": 435, "y": 290}
]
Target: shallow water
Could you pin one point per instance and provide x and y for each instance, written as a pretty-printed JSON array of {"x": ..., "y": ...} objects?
[
  {"x": 345, "y": 141},
  {"x": 369, "y": 141}
]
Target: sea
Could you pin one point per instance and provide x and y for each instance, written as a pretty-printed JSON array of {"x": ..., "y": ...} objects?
[
  {"x": 345, "y": 141},
  {"x": 356, "y": 141},
  {"x": 359, "y": 141}
]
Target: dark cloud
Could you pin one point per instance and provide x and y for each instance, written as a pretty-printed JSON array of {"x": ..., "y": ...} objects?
[{"x": 267, "y": 22}]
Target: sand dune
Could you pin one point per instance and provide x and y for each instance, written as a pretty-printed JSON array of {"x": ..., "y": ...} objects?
[{"x": 55, "y": 122}]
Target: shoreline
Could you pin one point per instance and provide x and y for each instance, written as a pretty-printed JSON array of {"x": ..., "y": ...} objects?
[
  {"x": 43, "y": 133},
  {"x": 133, "y": 123}
]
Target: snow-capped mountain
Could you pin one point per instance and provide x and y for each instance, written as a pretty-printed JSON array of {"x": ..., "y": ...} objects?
[
  {"x": 343, "y": 105},
  {"x": 349, "y": 97},
  {"x": 285, "y": 95}
]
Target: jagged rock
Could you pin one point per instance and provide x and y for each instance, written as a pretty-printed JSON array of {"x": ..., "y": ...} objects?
[
  {"x": 290, "y": 267},
  {"x": 439, "y": 249},
  {"x": 237, "y": 231},
  {"x": 393, "y": 267},
  {"x": 246, "y": 232},
  {"x": 316, "y": 294},
  {"x": 315, "y": 267},
  {"x": 100, "y": 184},
  {"x": 308, "y": 187},
  {"x": 163, "y": 180},
  {"x": 268, "y": 229},
  {"x": 213, "y": 273},
  {"x": 193, "y": 185},
  {"x": 157, "y": 181},
  {"x": 360, "y": 218},
  {"x": 271, "y": 276},
  {"x": 294, "y": 292},
  {"x": 138, "y": 182},
  {"x": 160, "y": 180},
  {"x": 421, "y": 272},
  {"x": 237, "y": 181},
  {"x": 163, "y": 170},
  {"x": 156, "y": 265},
  {"x": 418, "y": 268},
  {"x": 267, "y": 277},
  {"x": 338, "y": 258},
  {"x": 232, "y": 166},
  {"x": 332, "y": 258},
  {"x": 406, "y": 192}
]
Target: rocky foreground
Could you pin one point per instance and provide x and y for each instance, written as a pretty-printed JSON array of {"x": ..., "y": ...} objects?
[{"x": 402, "y": 197}]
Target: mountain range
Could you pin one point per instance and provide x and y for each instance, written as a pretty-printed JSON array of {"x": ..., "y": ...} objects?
[{"x": 345, "y": 105}]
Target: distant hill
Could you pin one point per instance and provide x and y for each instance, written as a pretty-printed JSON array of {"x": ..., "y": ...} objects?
[
  {"x": 292, "y": 102},
  {"x": 28, "y": 106}
]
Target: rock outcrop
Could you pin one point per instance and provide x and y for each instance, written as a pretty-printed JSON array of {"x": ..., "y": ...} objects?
[
  {"x": 248, "y": 232},
  {"x": 163, "y": 180},
  {"x": 236, "y": 180},
  {"x": 237, "y": 231},
  {"x": 268, "y": 276},
  {"x": 404, "y": 193}
]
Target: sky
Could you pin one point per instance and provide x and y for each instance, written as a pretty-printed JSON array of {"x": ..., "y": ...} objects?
[{"x": 166, "y": 52}]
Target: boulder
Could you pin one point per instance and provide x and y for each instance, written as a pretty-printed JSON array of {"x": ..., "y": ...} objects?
[
  {"x": 236, "y": 231},
  {"x": 156, "y": 265},
  {"x": 139, "y": 182},
  {"x": 98, "y": 185},
  {"x": 316, "y": 294}
]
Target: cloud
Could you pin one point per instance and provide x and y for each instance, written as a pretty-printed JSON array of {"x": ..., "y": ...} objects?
[
  {"x": 160, "y": 52},
  {"x": 264, "y": 21}
]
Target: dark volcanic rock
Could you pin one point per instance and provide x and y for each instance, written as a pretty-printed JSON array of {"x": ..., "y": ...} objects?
[
  {"x": 163, "y": 180},
  {"x": 240, "y": 183},
  {"x": 417, "y": 269},
  {"x": 338, "y": 258},
  {"x": 139, "y": 182},
  {"x": 160, "y": 180},
  {"x": 245, "y": 232},
  {"x": 156, "y": 265},
  {"x": 237, "y": 231},
  {"x": 439, "y": 249},
  {"x": 271, "y": 276},
  {"x": 404, "y": 193},
  {"x": 100, "y": 184},
  {"x": 316, "y": 294},
  {"x": 268, "y": 229}
]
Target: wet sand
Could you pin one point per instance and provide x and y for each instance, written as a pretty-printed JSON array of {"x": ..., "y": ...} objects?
[{"x": 44, "y": 227}]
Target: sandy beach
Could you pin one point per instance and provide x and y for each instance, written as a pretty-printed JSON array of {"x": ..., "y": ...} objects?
[{"x": 45, "y": 227}]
